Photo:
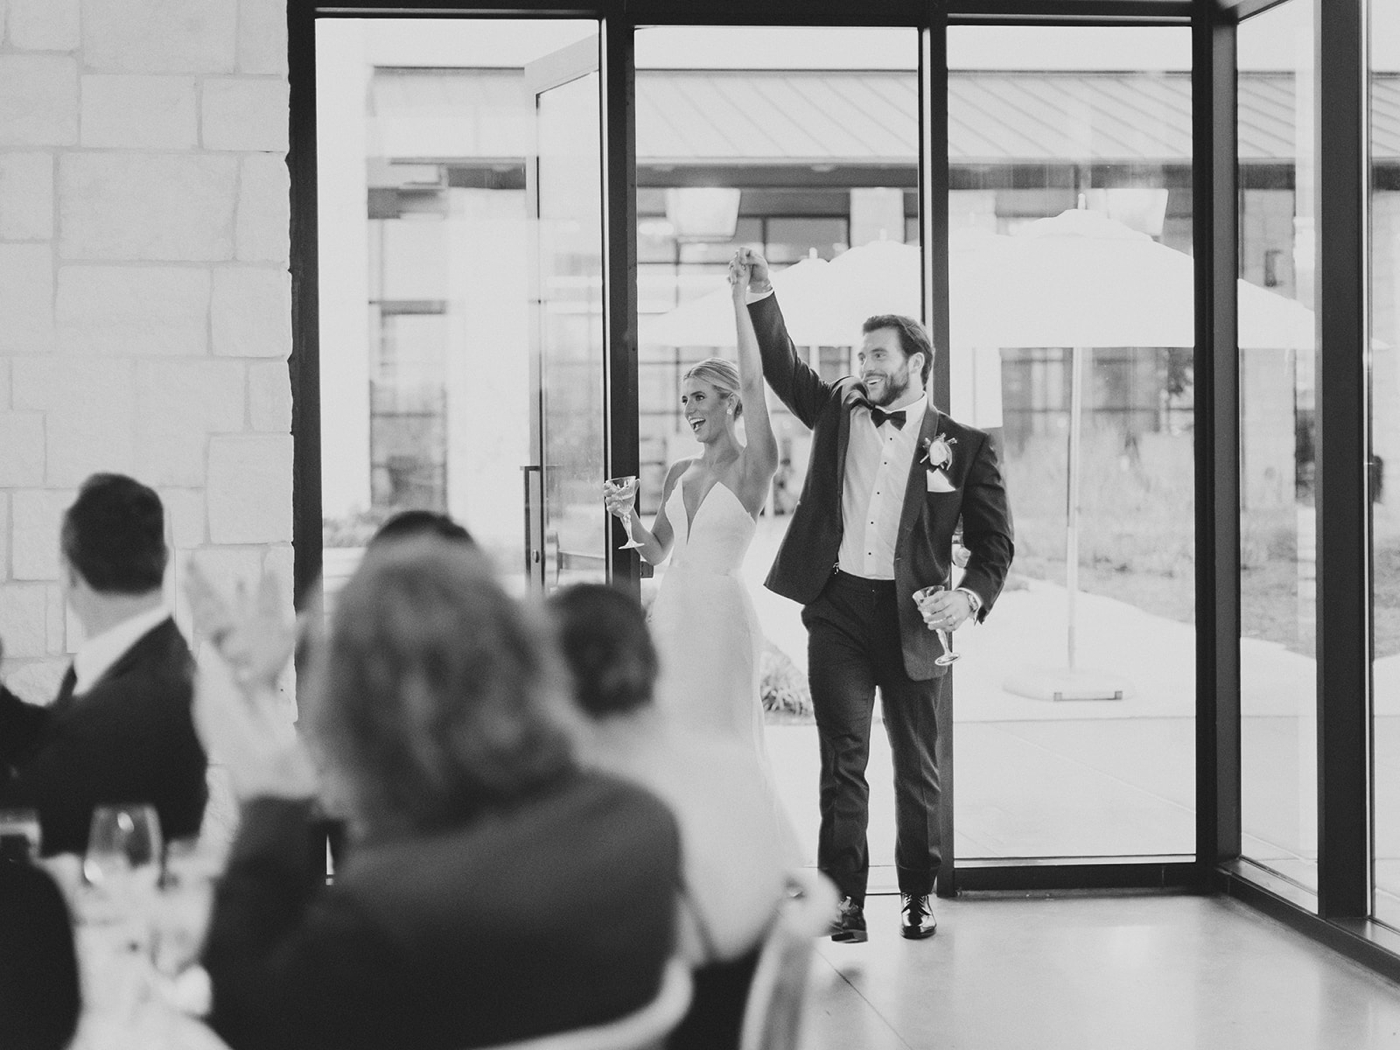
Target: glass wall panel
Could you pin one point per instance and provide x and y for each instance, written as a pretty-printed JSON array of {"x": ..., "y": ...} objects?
[
  {"x": 1072, "y": 321},
  {"x": 1385, "y": 446},
  {"x": 814, "y": 134},
  {"x": 1278, "y": 427},
  {"x": 423, "y": 131}
]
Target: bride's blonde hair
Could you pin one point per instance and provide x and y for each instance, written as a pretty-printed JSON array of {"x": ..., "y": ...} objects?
[{"x": 722, "y": 375}]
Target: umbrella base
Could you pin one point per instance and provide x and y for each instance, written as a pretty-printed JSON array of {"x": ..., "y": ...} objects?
[{"x": 1067, "y": 683}]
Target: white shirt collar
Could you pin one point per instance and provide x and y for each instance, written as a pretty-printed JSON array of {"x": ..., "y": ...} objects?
[{"x": 97, "y": 655}]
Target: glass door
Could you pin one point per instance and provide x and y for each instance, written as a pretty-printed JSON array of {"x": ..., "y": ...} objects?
[
  {"x": 430, "y": 139},
  {"x": 567, "y": 528}
]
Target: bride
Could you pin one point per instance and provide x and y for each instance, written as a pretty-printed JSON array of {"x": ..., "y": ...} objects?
[{"x": 703, "y": 619}]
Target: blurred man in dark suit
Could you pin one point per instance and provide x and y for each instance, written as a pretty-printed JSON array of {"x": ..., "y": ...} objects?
[{"x": 120, "y": 729}]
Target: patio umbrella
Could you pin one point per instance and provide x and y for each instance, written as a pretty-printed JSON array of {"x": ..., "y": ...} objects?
[
  {"x": 709, "y": 319},
  {"x": 1082, "y": 280}
]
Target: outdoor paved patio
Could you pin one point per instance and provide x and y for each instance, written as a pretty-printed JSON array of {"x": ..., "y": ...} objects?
[{"x": 1039, "y": 777}]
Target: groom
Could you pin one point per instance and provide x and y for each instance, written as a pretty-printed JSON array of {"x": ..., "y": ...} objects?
[{"x": 888, "y": 480}]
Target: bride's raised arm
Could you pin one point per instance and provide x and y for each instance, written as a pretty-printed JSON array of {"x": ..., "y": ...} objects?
[{"x": 761, "y": 450}]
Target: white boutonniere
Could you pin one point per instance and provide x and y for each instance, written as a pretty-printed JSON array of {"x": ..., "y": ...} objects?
[{"x": 938, "y": 452}]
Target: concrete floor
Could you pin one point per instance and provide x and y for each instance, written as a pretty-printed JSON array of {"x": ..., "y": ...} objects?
[{"x": 1120, "y": 972}]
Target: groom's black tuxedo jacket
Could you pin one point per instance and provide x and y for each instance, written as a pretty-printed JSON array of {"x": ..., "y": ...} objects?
[{"x": 923, "y": 549}]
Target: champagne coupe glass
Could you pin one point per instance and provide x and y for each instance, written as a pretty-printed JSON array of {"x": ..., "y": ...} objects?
[
  {"x": 626, "y": 487},
  {"x": 123, "y": 857},
  {"x": 922, "y": 595}
]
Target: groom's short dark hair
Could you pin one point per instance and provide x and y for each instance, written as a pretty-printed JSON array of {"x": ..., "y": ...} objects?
[{"x": 913, "y": 337}]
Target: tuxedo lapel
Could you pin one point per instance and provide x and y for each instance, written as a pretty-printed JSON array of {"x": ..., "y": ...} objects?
[{"x": 914, "y": 487}]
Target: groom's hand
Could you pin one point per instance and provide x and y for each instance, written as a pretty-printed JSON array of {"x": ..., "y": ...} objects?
[
  {"x": 758, "y": 269},
  {"x": 946, "y": 610}
]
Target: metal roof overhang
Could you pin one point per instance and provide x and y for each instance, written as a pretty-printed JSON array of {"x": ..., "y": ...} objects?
[{"x": 859, "y": 127}]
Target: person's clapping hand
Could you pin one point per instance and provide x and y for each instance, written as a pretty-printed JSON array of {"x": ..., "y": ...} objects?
[
  {"x": 254, "y": 636},
  {"x": 242, "y": 720}
]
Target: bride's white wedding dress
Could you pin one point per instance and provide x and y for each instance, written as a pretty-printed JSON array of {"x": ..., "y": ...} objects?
[{"x": 704, "y": 624}]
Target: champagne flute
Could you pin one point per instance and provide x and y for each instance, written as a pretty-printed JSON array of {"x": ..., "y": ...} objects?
[
  {"x": 123, "y": 857},
  {"x": 921, "y": 596},
  {"x": 625, "y": 486}
]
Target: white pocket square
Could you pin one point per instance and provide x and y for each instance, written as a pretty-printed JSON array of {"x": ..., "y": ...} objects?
[{"x": 938, "y": 481}]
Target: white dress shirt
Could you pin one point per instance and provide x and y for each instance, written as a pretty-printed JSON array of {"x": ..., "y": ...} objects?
[
  {"x": 872, "y": 497},
  {"x": 97, "y": 655}
]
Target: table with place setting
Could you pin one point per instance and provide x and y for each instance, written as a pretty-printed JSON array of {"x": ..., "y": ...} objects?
[{"x": 138, "y": 908}]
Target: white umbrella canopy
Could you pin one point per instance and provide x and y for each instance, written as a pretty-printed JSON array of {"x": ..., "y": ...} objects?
[
  {"x": 1077, "y": 279},
  {"x": 1083, "y": 279},
  {"x": 824, "y": 304},
  {"x": 709, "y": 319}
]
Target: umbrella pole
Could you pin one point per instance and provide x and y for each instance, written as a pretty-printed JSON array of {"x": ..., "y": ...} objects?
[
  {"x": 1070, "y": 683},
  {"x": 1076, "y": 411}
]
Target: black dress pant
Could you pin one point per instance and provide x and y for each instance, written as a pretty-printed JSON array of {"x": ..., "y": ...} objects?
[{"x": 853, "y": 647}]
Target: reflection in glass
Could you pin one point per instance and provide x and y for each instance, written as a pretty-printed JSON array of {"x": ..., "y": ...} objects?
[
  {"x": 1385, "y": 441},
  {"x": 573, "y": 414},
  {"x": 1278, "y": 668},
  {"x": 1071, "y": 314},
  {"x": 423, "y": 131}
]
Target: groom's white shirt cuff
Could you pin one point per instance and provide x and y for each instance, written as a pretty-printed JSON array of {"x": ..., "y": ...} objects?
[{"x": 753, "y": 297}]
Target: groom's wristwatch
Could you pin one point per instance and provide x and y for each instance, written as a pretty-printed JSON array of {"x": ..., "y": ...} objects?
[{"x": 972, "y": 599}]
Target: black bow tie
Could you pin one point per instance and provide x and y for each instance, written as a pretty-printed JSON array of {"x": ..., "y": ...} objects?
[{"x": 879, "y": 416}]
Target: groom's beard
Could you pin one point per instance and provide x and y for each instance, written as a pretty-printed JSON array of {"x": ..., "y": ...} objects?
[{"x": 896, "y": 385}]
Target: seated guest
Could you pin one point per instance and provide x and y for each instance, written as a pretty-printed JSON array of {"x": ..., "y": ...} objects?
[
  {"x": 120, "y": 728},
  {"x": 405, "y": 525},
  {"x": 734, "y": 873},
  {"x": 410, "y": 523},
  {"x": 39, "y": 1000},
  {"x": 495, "y": 891}
]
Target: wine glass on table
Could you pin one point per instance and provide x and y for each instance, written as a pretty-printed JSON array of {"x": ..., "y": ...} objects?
[
  {"x": 123, "y": 859},
  {"x": 921, "y": 598},
  {"x": 624, "y": 487}
]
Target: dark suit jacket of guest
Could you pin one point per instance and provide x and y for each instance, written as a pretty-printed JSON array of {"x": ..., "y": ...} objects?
[
  {"x": 39, "y": 995},
  {"x": 923, "y": 548},
  {"x": 129, "y": 738},
  {"x": 552, "y": 914}
]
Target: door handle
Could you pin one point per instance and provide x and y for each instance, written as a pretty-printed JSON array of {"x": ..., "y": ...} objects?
[{"x": 532, "y": 477}]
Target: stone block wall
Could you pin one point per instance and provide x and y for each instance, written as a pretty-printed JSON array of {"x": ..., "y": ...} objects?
[{"x": 144, "y": 289}]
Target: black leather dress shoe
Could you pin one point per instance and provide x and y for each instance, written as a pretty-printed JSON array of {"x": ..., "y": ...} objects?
[
  {"x": 916, "y": 917},
  {"x": 849, "y": 925}
]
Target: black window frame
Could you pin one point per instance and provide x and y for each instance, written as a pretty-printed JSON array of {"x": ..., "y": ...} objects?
[{"x": 1339, "y": 913}]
